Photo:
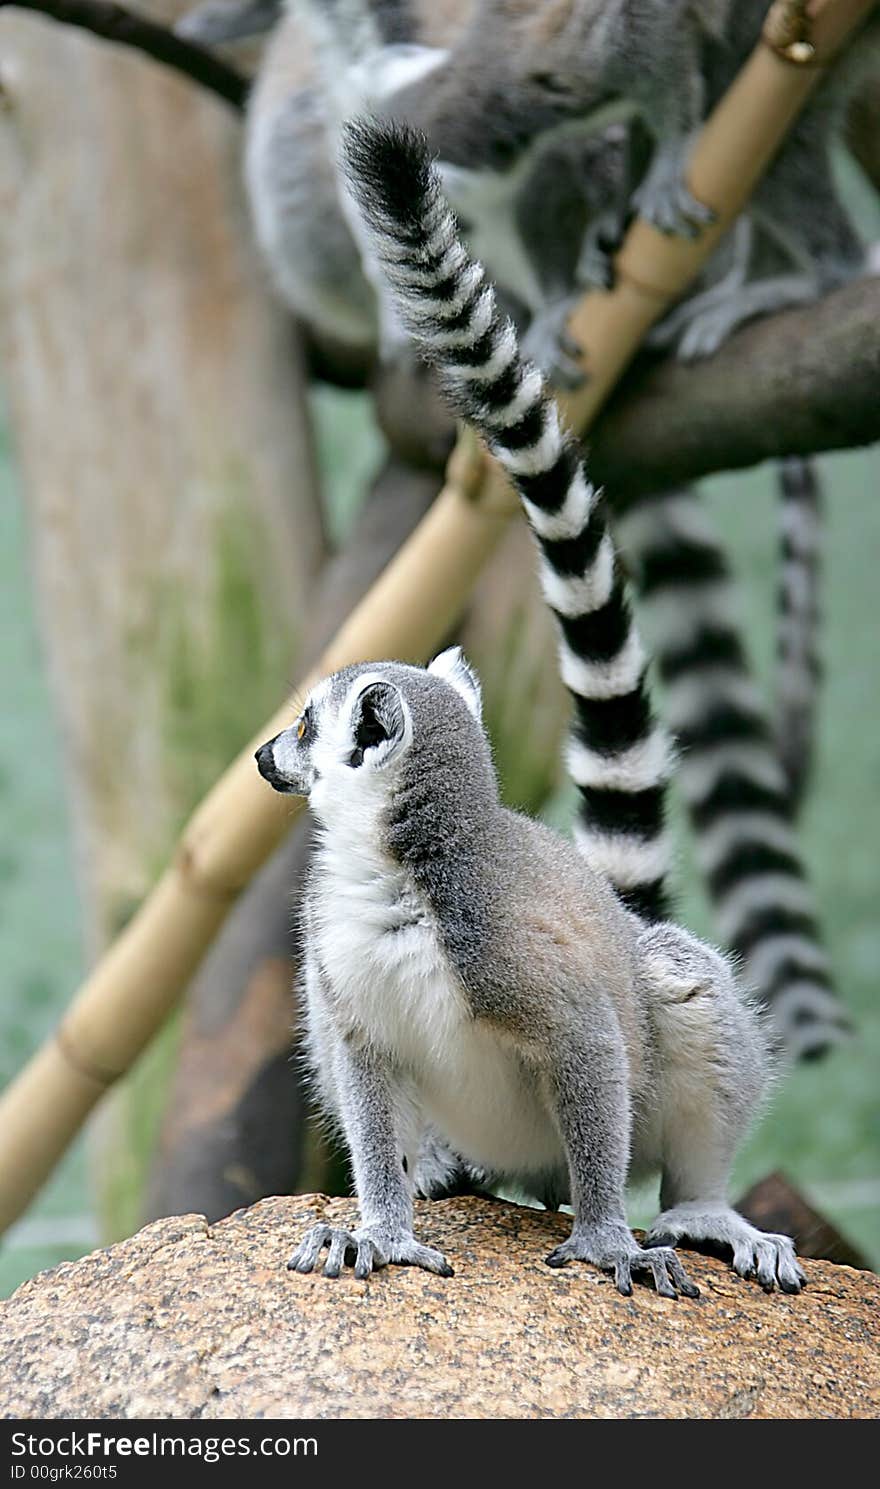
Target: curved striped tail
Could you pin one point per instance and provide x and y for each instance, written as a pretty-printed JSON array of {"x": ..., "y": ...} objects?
[
  {"x": 729, "y": 769},
  {"x": 618, "y": 754}
]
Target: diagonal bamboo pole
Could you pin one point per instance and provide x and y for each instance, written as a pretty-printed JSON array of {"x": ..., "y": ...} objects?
[{"x": 407, "y": 613}]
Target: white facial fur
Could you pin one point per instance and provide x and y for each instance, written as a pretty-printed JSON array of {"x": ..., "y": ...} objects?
[
  {"x": 340, "y": 791},
  {"x": 321, "y": 763}
]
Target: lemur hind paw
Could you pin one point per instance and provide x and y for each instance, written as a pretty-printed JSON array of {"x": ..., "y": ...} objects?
[
  {"x": 620, "y": 1254},
  {"x": 771, "y": 1259},
  {"x": 367, "y": 1250}
]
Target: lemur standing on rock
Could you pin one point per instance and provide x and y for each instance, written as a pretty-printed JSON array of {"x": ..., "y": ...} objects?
[
  {"x": 729, "y": 771},
  {"x": 467, "y": 970}
]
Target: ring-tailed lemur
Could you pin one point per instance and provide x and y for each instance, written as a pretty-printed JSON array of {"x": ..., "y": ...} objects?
[
  {"x": 467, "y": 969},
  {"x": 316, "y": 263},
  {"x": 521, "y": 73},
  {"x": 495, "y": 85}
]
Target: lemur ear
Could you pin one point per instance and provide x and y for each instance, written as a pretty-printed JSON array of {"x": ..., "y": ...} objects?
[
  {"x": 397, "y": 65},
  {"x": 454, "y": 669},
  {"x": 378, "y": 723}
]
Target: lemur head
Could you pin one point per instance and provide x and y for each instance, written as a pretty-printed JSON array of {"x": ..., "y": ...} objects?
[{"x": 363, "y": 727}]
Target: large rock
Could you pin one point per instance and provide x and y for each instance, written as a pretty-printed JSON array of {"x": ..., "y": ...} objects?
[{"x": 187, "y": 1320}]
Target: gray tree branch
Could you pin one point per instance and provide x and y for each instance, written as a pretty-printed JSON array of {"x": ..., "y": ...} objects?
[
  {"x": 114, "y": 23},
  {"x": 797, "y": 383}
]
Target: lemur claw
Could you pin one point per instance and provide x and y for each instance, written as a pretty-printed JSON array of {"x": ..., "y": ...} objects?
[
  {"x": 770, "y": 1259},
  {"x": 661, "y": 1264},
  {"x": 367, "y": 1250}
]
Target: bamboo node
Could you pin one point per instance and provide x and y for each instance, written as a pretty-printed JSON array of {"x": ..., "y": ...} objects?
[
  {"x": 788, "y": 32},
  {"x": 651, "y": 291},
  {"x": 92, "y": 1071},
  {"x": 467, "y": 466},
  {"x": 186, "y": 864}
]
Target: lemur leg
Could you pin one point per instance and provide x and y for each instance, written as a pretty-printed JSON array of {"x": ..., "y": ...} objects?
[
  {"x": 589, "y": 1096},
  {"x": 378, "y": 1124},
  {"x": 798, "y": 205},
  {"x": 699, "y": 1164},
  {"x": 664, "y": 198},
  {"x": 440, "y": 1173},
  {"x": 710, "y": 326},
  {"x": 731, "y": 264},
  {"x": 605, "y": 234},
  {"x": 701, "y": 1024},
  {"x": 815, "y": 249}
]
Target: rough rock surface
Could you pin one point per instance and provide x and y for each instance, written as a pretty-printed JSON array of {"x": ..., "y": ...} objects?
[{"x": 188, "y": 1320}]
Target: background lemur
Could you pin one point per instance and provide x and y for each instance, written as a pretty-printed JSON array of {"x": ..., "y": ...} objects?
[
  {"x": 571, "y": 183},
  {"x": 466, "y": 968},
  {"x": 740, "y": 787},
  {"x": 521, "y": 72}
]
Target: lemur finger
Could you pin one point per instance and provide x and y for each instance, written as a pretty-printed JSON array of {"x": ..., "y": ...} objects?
[
  {"x": 340, "y": 1244},
  {"x": 558, "y": 1258},
  {"x": 680, "y": 1277},
  {"x": 309, "y": 1249},
  {"x": 791, "y": 1276},
  {"x": 788, "y": 1268},
  {"x": 766, "y": 1258},
  {"x": 658, "y": 1265},
  {"x": 431, "y": 1260},
  {"x": 623, "y": 1276},
  {"x": 367, "y": 1257},
  {"x": 744, "y": 1258}
]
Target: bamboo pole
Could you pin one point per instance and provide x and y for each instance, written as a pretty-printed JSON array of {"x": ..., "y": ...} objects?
[{"x": 406, "y": 614}]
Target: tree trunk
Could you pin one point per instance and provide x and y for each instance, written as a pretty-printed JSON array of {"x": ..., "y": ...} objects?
[{"x": 156, "y": 403}]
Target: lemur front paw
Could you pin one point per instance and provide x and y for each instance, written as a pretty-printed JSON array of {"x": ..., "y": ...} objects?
[
  {"x": 367, "y": 1250},
  {"x": 614, "y": 1249},
  {"x": 665, "y": 200},
  {"x": 769, "y": 1258}
]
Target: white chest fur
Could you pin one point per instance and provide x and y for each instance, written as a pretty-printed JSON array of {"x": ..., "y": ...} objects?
[
  {"x": 380, "y": 949},
  {"x": 378, "y": 943}
]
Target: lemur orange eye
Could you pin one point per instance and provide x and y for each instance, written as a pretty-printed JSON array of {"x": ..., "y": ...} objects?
[{"x": 301, "y": 729}]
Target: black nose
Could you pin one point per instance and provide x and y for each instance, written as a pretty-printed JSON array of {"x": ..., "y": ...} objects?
[{"x": 266, "y": 762}]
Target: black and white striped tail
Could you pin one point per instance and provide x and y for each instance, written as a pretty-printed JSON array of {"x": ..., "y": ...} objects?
[
  {"x": 618, "y": 755},
  {"x": 729, "y": 769},
  {"x": 798, "y": 664}
]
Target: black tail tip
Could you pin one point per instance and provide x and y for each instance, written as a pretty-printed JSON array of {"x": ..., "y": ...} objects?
[{"x": 388, "y": 166}]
